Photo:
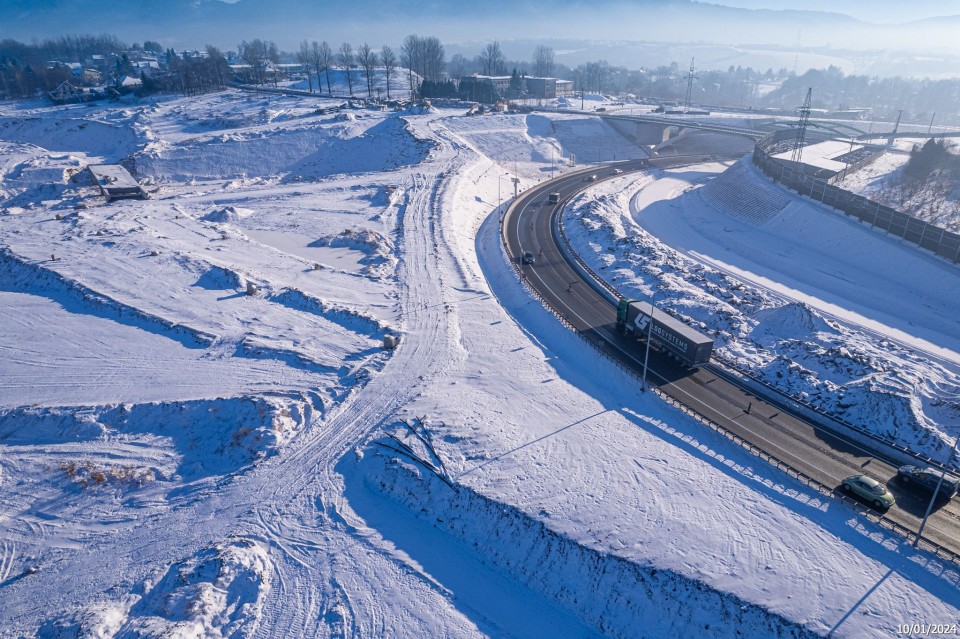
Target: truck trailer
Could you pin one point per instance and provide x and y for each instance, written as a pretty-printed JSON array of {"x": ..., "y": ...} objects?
[{"x": 667, "y": 334}]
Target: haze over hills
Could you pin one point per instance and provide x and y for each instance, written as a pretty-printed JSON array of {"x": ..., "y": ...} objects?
[{"x": 193, "y": 23}]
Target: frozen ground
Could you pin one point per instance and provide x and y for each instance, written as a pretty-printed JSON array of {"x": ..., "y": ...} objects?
[{"x": 180, "y": 458}]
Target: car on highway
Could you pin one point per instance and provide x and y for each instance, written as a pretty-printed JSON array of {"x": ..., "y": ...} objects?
[
  {"x": 927, "y": 479},
  {"x": 618, "y": 171},
  {"x": 592, "y": 178},
  {"x": 870, "y": 490},
  {"x": 527, "y": 258}
]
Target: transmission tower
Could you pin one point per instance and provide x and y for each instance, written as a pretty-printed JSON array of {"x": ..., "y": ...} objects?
[
  {"x": 896, "y": 127},
  {"x": 802, "y": 127},
  {"x": 690, "y": 78}
]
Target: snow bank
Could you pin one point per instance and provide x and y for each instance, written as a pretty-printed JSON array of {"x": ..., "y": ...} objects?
[
  {"x": 19, "y": 274},
  {"x": 228, "y": 214},
  {"x": 618, "y": 597},
  {"x": 108, "y": 141},
  {"x": 209, "y": 437},
  {"x": 308, "y": 152},
  {"x": 378, "y": 250},
  {"x": 795, "y": 320},
  {"x": 219, "y": 592}
]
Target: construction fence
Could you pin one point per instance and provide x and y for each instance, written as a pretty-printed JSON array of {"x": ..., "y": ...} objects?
[{"x": 933, "y": 238}]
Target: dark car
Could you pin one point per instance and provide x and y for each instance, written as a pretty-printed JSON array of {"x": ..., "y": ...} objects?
[
  {"x": 926, "y": 479},
  {"x": 527, "y": 258}
]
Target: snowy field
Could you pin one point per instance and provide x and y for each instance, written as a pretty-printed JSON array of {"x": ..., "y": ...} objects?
[{"x": 194, "y": 399}]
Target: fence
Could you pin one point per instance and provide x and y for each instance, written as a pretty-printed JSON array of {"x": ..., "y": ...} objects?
[{"x": 933, "y": 238}]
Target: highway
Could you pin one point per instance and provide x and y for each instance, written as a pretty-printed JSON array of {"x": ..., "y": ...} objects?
[{"x": 530, "y": 224}]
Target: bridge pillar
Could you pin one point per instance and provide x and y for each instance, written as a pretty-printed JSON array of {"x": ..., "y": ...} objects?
[{"x": 644, "y": 133}]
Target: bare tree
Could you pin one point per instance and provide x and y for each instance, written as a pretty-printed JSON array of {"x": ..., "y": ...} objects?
[
  {"x": 389, "y": 61},
  {"x": 592, "y": 76},
  {"x": 434, "y": 59},
  {"x": 543, "y": 62},
  {"x": 345, "y": 57},
  {"x": 273, "y": 54},
  {"x": 492, "y": 61},
  {"x": 424, "y": 57},
  {"x": 457, "y": 66},
  {"x": 255, "y": 54},
  {"x": 305, "y": 58},
  {"x": 368, "y": 59},
  {"x": 326, "y": 61},
  {"x": 218, "y": 65},
  {"x": 316, "y": 60},
  {"x": 409, "y": 53}
]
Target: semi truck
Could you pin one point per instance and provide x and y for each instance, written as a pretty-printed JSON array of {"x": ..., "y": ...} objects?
[{"x": 638, "y": 319}]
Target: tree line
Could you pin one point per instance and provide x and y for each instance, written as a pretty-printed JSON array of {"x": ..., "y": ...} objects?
[{"x": 24, "y": 70}]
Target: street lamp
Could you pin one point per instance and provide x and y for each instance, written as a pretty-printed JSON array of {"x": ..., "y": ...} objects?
[
  {"x": 499, "y": 199},
  {"x": 646, "y": 355},
  {"x": 936, "y": 492}
]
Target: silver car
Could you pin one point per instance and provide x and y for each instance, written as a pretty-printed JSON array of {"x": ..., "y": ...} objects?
[{"x": 869, "y": 489}]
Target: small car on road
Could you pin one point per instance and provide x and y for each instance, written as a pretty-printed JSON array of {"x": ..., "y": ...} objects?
[
  {"x": 592, "y": 178},
  {"x": 527, "y": 258},
  {"x": 870, "y": 490},
  {"x": 926, "y": 479}
]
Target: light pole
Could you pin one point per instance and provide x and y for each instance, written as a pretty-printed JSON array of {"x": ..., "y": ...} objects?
[
  {"x": 646, "y": 355},
  {"x": 499, "y": 198},
  {"x": 936, "y": 492}
]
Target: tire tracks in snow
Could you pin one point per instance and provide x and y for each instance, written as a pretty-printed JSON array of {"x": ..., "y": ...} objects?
[{"x": 294, "y": 502}]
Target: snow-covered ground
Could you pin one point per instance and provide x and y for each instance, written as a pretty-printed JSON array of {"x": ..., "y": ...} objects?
[{"x": 181, "y": 458}]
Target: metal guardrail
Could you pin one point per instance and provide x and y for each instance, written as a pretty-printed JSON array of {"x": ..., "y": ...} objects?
[{"x": 598, "y": 344}]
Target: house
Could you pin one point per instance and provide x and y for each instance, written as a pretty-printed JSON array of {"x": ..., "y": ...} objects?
[
  {"x": 130, "y": 83},
  {"x": 483, "y": 88},
  {"x": 66, "y": 92},
  {"x": 149, "y": 68},
  {"x": 115, "y": 182}
]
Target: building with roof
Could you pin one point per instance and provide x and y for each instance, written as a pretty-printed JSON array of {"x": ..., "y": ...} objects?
[{"x": 115, "y": 182}]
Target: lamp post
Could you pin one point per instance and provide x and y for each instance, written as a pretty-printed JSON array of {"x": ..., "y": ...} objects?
[
  {"x": 499, "y": 198},
  {"x": 646, "y": 355},
  {"x": 936, "y": 492}
]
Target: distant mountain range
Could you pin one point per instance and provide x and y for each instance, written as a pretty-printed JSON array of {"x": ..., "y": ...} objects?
[{"x": 193, "y": 23}]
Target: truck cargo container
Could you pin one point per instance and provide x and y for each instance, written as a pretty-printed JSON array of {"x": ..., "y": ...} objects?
[{"x": 667, "y": 334}]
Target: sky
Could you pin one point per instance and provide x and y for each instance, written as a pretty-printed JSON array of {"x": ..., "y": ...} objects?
[{"x": 880, "y": 11}]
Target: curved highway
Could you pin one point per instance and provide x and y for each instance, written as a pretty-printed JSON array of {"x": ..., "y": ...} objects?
[{"x": 531, "y": 224}]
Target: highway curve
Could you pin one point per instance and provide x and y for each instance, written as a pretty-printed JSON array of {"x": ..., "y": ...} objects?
[{"x": 530, "y": 225}]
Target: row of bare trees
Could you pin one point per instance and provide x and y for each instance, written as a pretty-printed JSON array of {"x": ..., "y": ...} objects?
[{"x": 320, "y": 58}]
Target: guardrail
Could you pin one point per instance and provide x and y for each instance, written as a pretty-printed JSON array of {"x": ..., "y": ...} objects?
[{"x": 599, "y": 345}]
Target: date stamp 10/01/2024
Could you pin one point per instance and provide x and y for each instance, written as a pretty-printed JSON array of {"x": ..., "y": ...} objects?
[{"x": 928, "y": 629}]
